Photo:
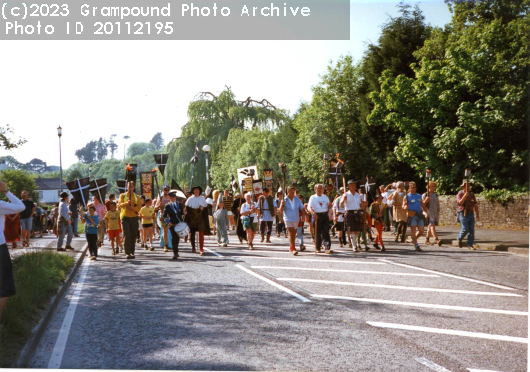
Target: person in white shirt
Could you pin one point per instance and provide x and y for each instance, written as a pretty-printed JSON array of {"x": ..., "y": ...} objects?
[
  {"x": 354, "y": 220},
  {"x": 249, "y": 219},
  {"x": 338, "y": 218},
  {"x": 197, "y": 218},
  {"x": 319, "y": 207},
  {"x": 7, "y": 280}
]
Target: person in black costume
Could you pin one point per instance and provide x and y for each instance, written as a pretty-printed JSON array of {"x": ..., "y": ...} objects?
[
  {"x": 174, "y": 211},
  {"x": 238, "y": 200}
]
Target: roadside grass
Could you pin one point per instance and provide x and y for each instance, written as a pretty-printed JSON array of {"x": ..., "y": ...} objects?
[{"x": 37, "y": 278}]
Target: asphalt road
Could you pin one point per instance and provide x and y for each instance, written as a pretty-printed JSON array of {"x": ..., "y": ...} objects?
[{"x": 235, "y": 309}]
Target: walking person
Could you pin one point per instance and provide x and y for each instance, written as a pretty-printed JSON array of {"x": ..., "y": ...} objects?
[
  {"x": 338, "y": 218},
  {"x": 377, "y": 212},
  {"x": 173, "y": 214},
  {"x": 414, "y": 206},
  {"x": 268, "y": 210},
  {"x": 222, "y": 223},
  {"x": 7, "y": 280},
  {"x": 130, "y": 206},
  {"x": 26, "y": 218},
  {"x": 319, "y": 207},
  {"x": 11, "y": 230},
  {"x": 300, "y": 229},
  {"x": 292, "y": 208},
  {"x": 112, "y": 222},
  {"x": 236, "y": 211},
  {"x": 147, "y": 214},
  {"x": 467, "y": 208},
  {"x": 197, "y": 218},
  {"x": 91, "y": 221},
  {"x": 249, "y": 219},
  {"x": 160, "y": 205},
  {"x": 432, "y": 202},
  {"x": 101, "y": 211},
  {"x": 354, "y": 219},
  {"x": 37, "y": 221},
  {"x": 399, "y": 214},
  {"x": 280, "y": 223},
  {"x": 64, "y": 224},
  {"x": 73, "y": 207}
]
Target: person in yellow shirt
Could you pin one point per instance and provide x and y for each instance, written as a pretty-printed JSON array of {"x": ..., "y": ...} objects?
[
  {"x": 112, "y": 223},
  {"x": 130, "y": 205},
  {"x": 147, "y": 214}
]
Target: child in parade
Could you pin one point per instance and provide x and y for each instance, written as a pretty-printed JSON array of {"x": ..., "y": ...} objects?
[
  {"x": 377, "y": 213},
  {"x": 112, "y": 218},
  {"x": 432, "y": 202},
  {"x": 147, "y": 214},
  {"x": 91, "y": 221}
]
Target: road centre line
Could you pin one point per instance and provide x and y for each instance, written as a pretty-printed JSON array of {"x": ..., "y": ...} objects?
[
  {"x": 449, "y": 275},
  {"x": 292, "y": 293},
  {"x": 401, "y": 287},
  {"x": 312, "y": 260},
  {"x": 60, "y": 344},
  {"x": 435, "y": 367},
  {"x": 417, "y": 304},
  {"x": 449, "y": 332},
  {"x": 343, "y": 271}
]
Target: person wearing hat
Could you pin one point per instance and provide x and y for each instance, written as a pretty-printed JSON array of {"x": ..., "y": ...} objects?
[
  {"x": 467, "y": 208},
  {"x": 353, "y": 206},
  {"x": 173, "y": 214},
  {"x": 130, "y": 205},
  {"x": 377, "y": 210},
  {"x": 268, "y": 211},
  {"x": 64, "y": 225},
  {"x": 160, "y": 205},
  {"x": 338, "y": 218},
  {"x": 196, "y": 217},
  {"x": 319, "y": 207},
  {"x": 399, "y": 214}
]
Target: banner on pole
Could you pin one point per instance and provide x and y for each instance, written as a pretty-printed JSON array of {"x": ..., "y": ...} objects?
[
  {"x": 146, "y": 181},
  {"x": 268, "y": 179},
  {"x": 243, "y": 173}
]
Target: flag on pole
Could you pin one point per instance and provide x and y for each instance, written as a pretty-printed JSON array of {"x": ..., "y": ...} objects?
[
  {"x": 161, "y": 162},
  {"x": 98, "y": 188},
  {"x": 80, "y": 190}
]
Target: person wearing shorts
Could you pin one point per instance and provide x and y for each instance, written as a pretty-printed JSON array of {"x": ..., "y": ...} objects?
[
  {"x": 147, "y": 214},
  {"x": 414, "y": 203},
  {"x": 432, "y": 202},
  {"x": 291, "y": 208},
  {"x": 249, "y": 209},
  {"x": 26, "y": 218},
  {"x": 7, "y": 279},
  {"x": 112, "y": 221}
]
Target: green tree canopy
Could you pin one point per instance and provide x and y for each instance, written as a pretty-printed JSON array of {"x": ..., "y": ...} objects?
[
  {"x": 139, "y": 148},
  {"x": 18, "y": 180}
]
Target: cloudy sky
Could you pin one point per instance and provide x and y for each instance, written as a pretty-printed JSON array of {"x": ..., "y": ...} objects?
[{"x": 94, "y": 89}]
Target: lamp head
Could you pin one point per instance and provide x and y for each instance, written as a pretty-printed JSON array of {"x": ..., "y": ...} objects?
[
  {"x": 251, "y": 172},
  {"x": 206, "y": 148},
  {"x": 326, "y": 157},
  {"x": 427, "y": 174},
  {"x": 467, "y": 172},
  {"x": 59, "y": 131}
]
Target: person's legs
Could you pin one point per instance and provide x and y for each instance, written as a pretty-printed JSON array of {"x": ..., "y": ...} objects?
[
  {"x": 413, "y": 234},
  {"x": 300, "y": 234},
  {"x": 262, "y": 228},
  {"x": 175, "y": 240},
  {"x": 70, "y": 235},
  {"x": 325, "y": 233},
  {"x": 269, "y": 231},
  {"x": 292, "y": 237},
  {"x": 464, "y": 221},
  {"x": 192, "y": 239},
  {"x": 471, "y": 227},
  {"x": 129, "y": 234},
  {"x": 74, "y": 225},
  {"x": 224, "y": 232},
  {"x": 201, "y": 240},
  {"x": 379, "y": 237}
]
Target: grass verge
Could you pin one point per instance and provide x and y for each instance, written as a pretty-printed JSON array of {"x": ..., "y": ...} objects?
[{"x": 37, "y": 278}]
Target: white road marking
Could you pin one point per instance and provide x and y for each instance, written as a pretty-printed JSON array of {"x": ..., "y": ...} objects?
[
  {"x": 480, "y": 370},
  {"x": 435, "y": 367},
  {"x": 342, "y": 271},
  {"x": 449, "y": 275},
  {"x": 449, "y": 332},
  {"x": 215, "y": 253},
  {"x": 402, "y": 287},
  {"x": 60, "y": 344},
  {"x": 292, "y": 293},
  {"x": 313, "y": 260},
  {"x": 432, "y": 306}
]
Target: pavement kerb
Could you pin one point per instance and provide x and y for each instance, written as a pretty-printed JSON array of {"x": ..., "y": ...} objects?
[{"x": 38, "y": 330}]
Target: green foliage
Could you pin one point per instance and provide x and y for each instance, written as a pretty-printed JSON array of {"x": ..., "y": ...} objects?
[
  {"x": 469, "y": 108},
  {"x": 211, "y": 118},
  {"x": 502, "y": 196},
  {"x": 6, "y": 142},
  {"x": 18, "y": 180},
  {"x": 139, "y": 148},
  {"x": 158, "y": 141},
  {"x": 37, "y": 276}
]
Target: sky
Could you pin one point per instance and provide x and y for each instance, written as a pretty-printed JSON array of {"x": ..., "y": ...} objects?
[{"x": 94, "y": 89}]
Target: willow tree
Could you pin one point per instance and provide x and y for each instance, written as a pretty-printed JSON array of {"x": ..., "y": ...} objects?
[{"x": 211, "y": 117}]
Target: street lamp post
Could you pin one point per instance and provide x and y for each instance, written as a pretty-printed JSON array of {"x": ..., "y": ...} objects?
[
  {"x": 89, "y": 172},
  {"x": 60, "y": 133},
  {"x": 206, "y": 150}
]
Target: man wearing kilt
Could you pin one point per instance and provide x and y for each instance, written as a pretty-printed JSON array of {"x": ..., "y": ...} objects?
[{"x": 354, "y": 220}]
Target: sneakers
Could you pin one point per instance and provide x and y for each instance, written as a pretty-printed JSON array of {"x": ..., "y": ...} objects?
[
  {"x": 302, "y": 247},
  {"x": 293, "y": 251},
  {"x": 460, "y": 243}
]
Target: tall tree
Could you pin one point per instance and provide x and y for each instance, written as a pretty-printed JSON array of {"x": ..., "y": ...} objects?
[
  {"x": 139, "y": 148},
  {"x": 470, "y": 106},
  {"x": 88, "y": 153},
  {"x": 18, "y": 180},
  {"x": 111, "y": 144},
  {"x": 101, "y": 149},
  {"x": 158, "y": 141},
  {"x": 36, "y": 166},
  {"x": 11, "y": 162}
]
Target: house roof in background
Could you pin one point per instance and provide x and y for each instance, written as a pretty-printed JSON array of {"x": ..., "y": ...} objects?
[{"x": 49, "y": 184}]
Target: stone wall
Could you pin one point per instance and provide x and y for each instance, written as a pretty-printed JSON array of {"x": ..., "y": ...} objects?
[{"x": 495, "y": 215}]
